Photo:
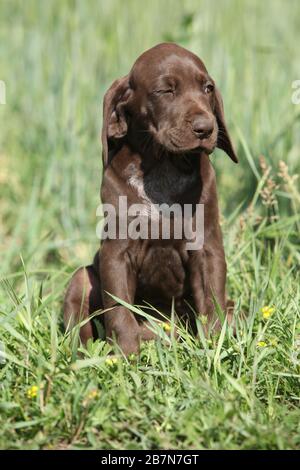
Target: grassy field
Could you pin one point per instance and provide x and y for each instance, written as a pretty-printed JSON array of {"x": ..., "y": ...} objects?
[{"x": 57, "y": 59}]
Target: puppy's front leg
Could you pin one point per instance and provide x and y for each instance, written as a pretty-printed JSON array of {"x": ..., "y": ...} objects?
[
  {"x": 118, "y": 278},
  {"x": 208, "y": 279}
]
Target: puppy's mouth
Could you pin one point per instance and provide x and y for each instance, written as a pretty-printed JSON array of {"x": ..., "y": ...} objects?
[
  {"x": 203, "y": 145},
  {"x": 177, "y": 144}
]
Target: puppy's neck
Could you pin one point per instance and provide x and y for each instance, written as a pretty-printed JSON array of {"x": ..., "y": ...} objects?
[{"x": 167, "y": 180}]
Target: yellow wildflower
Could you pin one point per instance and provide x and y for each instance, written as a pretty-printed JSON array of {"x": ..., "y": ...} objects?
[
  {"x": 110, "y": 361},
  {"x": 267, "y": 311},
  {"x": 261, "y": 344},
  {"x": 167, "y": 326},
  {"x": 32, "y": 391},
  {"x": 93, "y": 394}
]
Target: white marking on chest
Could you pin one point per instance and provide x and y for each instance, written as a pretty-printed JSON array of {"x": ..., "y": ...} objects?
[{"x": 148, "y": 207}]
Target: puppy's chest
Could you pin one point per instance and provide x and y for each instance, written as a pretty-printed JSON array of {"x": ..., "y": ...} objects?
[
  {"x": 164, "y": 184},
  {"x": 163, "y": 272}
]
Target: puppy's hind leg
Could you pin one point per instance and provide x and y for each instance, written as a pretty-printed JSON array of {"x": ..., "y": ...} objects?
[{"x": 82, "y": 298}]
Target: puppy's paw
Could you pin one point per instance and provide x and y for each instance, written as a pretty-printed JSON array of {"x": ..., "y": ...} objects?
[{"x": 129, "y": 344}]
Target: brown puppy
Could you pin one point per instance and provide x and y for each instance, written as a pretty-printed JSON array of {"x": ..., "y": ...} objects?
[{"x": 160, "y": 123}]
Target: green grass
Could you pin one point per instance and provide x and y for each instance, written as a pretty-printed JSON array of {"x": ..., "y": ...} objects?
[{"x": 57, "y": 59}]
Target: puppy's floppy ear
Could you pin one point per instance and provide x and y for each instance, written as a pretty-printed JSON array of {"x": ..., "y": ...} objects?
[
  {"x": 224, "y": 140},
  {"x": 114, "y": 120}
]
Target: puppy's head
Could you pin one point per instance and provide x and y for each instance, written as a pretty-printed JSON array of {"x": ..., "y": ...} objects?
[{"x": 168, "y": 97}]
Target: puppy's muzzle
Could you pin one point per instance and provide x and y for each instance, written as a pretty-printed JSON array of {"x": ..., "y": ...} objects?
[{"x": 203, "y": 127}]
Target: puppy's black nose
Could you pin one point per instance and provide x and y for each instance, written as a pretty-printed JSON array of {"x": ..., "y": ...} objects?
[{"x": 202, "y": 127}]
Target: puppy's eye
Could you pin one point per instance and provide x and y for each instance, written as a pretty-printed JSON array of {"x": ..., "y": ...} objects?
[
  {"x": 164, "y": 91},
  {"x": 209, "y": 88}
]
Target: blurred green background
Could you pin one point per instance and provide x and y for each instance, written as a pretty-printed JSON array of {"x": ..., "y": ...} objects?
[{"x": 58, "y": 58}]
